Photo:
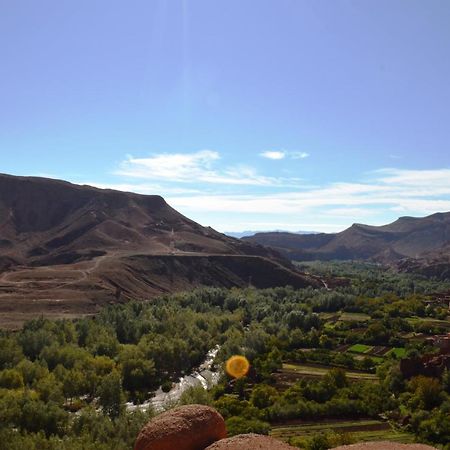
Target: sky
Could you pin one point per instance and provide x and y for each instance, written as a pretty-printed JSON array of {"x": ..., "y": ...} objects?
[{"x": 243, "y": 114}]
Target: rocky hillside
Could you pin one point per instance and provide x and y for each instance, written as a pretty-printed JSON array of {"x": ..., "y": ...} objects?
[
  {"x": 407, "y": 237},
  {"x": 66, "y": 250}
]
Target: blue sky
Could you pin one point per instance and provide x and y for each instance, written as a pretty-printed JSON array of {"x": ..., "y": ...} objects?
[{"x": 243, "y": 114}]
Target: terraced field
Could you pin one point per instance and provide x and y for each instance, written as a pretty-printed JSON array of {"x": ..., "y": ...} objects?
[
  {"x": 377, "y": 353},
  {"x": 429, "y": 321},
  {"x": 360, "y": 430},
  {"x": 354, "y": 317},
  {"x": 317, "y": 371}
]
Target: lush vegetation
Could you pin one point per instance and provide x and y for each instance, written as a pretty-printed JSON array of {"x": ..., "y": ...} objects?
[{"x": 315, "y": 355}]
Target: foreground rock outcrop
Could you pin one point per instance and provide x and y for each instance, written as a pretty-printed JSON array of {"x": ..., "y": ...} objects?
[
  {"x": 192, "y": 427},
  {"x": 198, "y": 427},
  {"x": 249, "y": 442}
]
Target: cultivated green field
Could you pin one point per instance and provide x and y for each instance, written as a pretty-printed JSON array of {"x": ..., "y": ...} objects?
[
  {"x": 360, "y": 348},
  {"x": 320, "y": 371},
  {"x": 399, "y": 352},
  {"x": 360, "y": 430}
]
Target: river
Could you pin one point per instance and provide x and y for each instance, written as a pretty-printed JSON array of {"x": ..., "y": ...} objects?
[{"x": 203, "y": 376}]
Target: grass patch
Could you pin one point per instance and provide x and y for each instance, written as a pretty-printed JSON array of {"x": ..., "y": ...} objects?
[
  {"x": 375, "y": 359},
  {"x": 399, "y": 352},
  {"x": 354, "y": 317},
  {"x": 360, "y": 348},
  {"x": 327, "y": 315},
  {"x": 391, "y": 436}
]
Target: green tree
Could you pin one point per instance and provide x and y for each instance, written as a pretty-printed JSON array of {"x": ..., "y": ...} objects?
[
  {"x": 10, "y": 353},
  {"x": 11, "y": 379},
  {"x": 263, "y": 396},
  {"x": 427, "y": 390},
  {"x": 111, "y": 397},
  {"x": 336, "y": 377},
  {"x": 318, "y": 442},
  {"x": 137, "y": 371},
  {"x": 74, "y": 384},
  {"x": 241, "y": 425}
]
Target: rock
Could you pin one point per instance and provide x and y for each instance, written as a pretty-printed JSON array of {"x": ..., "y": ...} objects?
[
  {"x": 191, "y": 427},
  {"x": 382, "y": 445},
  {"x": 249, "y": 442}
]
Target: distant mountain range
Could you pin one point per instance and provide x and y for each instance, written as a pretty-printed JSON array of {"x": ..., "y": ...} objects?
[
  {"x": 241, "y": 234},
  {"x": 66, "y": 250},
  {"x": 420, "y": 244}
]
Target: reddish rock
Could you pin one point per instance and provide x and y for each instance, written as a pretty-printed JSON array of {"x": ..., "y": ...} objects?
[
  {"x": 249, "y": 442},
  {"x": 191, "y": 427}
]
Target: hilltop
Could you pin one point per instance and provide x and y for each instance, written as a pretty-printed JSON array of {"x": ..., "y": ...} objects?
[{"x": 67, "y": 249}]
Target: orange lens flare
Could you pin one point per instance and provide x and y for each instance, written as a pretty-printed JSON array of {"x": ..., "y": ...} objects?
[{"x": 237, "y": 366}]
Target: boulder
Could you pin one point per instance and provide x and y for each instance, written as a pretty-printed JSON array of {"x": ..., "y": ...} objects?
[
  {"x": 191, "y": 427},
  {"x": 249, "y": 442}
]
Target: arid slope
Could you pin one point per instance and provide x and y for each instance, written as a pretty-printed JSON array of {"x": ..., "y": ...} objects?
[{"x": 66, "y": 250}]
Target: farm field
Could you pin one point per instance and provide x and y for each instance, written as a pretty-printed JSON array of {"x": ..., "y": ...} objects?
[
  {"x": 354, "y": 317},
  {"x": 360, "y": 348},
  {"x": 376, "y": 352},
  {"x": 359, "y": 430},
  {"x": 344, "y": 316},
  {"x": 317, "y": 371},
  {"x": 430, "y": 321},
  {"x": 399, "y": 352}
]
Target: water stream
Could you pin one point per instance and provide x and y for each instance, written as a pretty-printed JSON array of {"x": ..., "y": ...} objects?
[{"x": 203, "y": 376}]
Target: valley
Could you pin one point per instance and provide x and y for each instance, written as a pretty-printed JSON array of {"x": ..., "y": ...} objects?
[
  {"x": 113, "y": 307},
  {"x": 325, "y": 363}
]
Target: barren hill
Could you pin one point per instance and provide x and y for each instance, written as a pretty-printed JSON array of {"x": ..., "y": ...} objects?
[
  {"x": 407, "y": 237},
  {"x": 66, "y": 249}
]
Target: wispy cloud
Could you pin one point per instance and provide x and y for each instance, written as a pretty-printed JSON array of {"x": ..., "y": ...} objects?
[
  {"x": 429, "y": 178},
  {"x": 202, "y": 187},
  {"x": 146, "y": 188},
  {"x": 171, "y": 166},
  {"x": 298, "y": 155},
  {"x": 412, "y": 192},
  {"x": 282, "y": 154},
  {"x": 197, "y": 167},
  {"x": 273, "y": 155}
]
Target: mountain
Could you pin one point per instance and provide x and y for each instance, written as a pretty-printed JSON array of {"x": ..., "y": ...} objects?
[
  {"x": 66, "y": 250},
  {"x": 431, "y": 264},
  {"x": 406, "y": 238},
  {"x": 241, "y": 234}
]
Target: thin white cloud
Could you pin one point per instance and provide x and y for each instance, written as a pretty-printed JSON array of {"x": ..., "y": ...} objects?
[
  {"x": 180, "y": 167},
  {"x": 145, "y": 188},
  {"x": 299, "y": 155},
  {"x": 413, "y": 192},
  {"x": 282, "y": 154},
  {"x": 196, "y": 187},
  {"x": 428, "y": 178},
  {"x": 276, "y": 155}
]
